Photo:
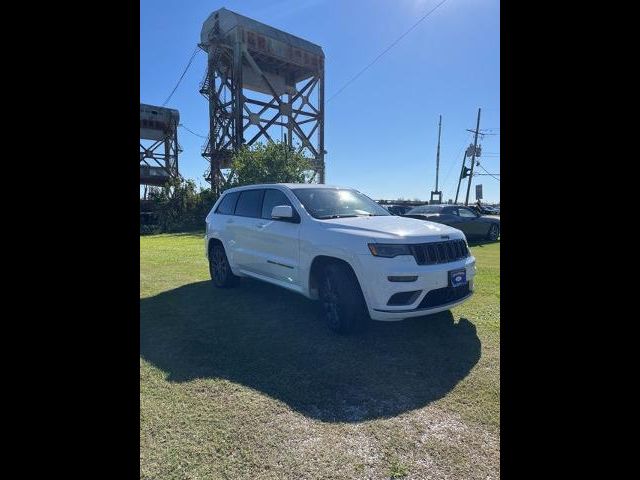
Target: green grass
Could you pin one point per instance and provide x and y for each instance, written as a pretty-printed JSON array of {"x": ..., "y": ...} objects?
[{"x": 247, "y": 383}]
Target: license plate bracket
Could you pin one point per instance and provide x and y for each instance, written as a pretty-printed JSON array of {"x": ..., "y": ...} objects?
[{"x": 457, "y": 278}]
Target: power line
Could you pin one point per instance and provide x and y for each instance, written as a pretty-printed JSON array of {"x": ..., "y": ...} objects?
[
  {"x": 193, "y": 55},
  {"x": 191, "y": 131},
  {"x": 349, "y": 82},
  {"x": 490, "y": 174}
]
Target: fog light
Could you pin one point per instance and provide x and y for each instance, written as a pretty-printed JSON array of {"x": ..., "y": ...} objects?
[
  {"x": 406, "y": 278},
  {"x": 404, "y": 298}
]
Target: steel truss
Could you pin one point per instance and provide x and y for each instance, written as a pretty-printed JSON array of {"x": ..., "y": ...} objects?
[
  {"x": 159, "y": 158},
  {"x": 239, "y": 116}
]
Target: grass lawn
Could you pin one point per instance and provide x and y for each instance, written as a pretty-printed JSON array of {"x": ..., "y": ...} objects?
[{"x": 247, "y": 383}]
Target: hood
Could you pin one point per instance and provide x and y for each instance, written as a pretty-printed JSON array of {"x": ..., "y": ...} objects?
[{"x": 392, "y": 228}]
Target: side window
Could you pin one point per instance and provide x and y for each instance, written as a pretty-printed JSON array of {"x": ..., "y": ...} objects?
[
  {"x": 250, "y": 203},
  {"x": 228, "y": 204},
  {"x": 273, "y": 198},
  {"x": 465, "y": 212},
  {"x": 430, "y": 209},
  {"x": 449, "y": 211}
]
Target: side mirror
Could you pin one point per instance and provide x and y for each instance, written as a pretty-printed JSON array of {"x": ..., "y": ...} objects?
[{"x": 282, "y": 212}]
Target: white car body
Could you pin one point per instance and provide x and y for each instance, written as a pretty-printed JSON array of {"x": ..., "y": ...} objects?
[{"x": 282, "y": 252}]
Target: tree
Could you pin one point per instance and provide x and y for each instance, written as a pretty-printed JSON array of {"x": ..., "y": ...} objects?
[
  {"x": 269, "y": 163},
  {"x": 179, "y": 206}
]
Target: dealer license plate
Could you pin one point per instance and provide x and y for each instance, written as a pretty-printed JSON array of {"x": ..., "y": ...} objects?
[{"x": 458, "y": 278}]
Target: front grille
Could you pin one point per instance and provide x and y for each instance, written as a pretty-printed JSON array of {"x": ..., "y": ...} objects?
[
  {"x": 442, "y": 296},
  {"x": 440, "y": 252}
]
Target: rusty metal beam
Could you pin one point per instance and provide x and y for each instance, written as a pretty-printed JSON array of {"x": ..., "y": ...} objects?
[{"x": 229, "y": 57}]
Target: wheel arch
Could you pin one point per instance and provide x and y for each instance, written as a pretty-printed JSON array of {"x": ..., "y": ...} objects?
[
  {"x": 318, "y": 264},
  {"x": 211, "y": 242}
]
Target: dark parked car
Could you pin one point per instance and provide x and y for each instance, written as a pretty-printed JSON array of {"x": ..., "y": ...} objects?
[
  {"x": 397, "y": 209},
  {"x": 463, "y": 218},
  {"x": 484, "y": 209}
]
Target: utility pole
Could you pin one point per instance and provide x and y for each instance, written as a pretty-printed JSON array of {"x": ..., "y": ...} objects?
[
  {"x": 437, "y": 192},
  {"x": 464, "y": 157},
  {"x": 438, "y": 152},
  {"x": 473, "y": 157}
]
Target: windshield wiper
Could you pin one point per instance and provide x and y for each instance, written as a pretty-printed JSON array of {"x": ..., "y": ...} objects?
[{"x": 325, "y": 217}]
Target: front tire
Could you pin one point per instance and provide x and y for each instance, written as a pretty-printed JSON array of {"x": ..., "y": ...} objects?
[
  {"x": 219, "y": 268},
  {"x": 494, "y": 232},
  {"x": 343, "y": 305}
]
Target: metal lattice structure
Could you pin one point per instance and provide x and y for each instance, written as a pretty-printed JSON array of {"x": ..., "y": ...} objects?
[
  {"x": 158, "y": 144},
  {"x": 261, "y": 84}
]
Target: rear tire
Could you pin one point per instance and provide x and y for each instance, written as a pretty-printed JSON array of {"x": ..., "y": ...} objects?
[
  {"x": 343, "y": 305},
  {"x": 494, "y": 233},
  {"x": 219, "y": 268}
]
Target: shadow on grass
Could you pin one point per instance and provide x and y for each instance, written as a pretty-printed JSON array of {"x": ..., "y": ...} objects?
[
  {"x": 481, "y": 243},
  {"x": 273, "y": 341}
]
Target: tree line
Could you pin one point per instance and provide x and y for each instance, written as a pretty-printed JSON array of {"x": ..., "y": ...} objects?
[{"x": 181, "y": 205}]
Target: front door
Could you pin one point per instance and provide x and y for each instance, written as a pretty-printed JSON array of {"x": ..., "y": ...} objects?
[
  {"x": 472, "y": 226},
  {"x": 278, "y": 241}
]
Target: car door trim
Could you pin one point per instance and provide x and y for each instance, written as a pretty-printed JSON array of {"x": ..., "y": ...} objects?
[{"x": 280, "y": 264}]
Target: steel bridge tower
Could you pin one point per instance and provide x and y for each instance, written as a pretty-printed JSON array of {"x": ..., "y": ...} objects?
[
  {"x": 158, "y": 144},
  {"x": 261, "y": 84}
]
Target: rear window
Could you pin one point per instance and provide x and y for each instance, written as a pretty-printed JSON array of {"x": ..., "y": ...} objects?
[
  {"x": 228, "y": 204},
  {"x": 250, "y": 203}
]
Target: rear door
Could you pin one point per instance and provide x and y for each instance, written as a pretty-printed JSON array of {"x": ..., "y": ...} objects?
[
  {"x": 244, "y": 229},
  {"x": 278, "y": 240},
  {"x": 225, "y": 219}
]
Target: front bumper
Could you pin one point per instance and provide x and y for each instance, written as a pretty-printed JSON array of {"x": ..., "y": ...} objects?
[{"x": 377, "y": 289}]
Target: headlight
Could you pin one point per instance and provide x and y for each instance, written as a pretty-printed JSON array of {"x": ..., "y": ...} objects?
[{"x": 389, "y": 250}]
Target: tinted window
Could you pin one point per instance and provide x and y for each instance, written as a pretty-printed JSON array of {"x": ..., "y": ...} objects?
[
  {"x": 465, "y": 212},
  {"x": 398, "y": 209},
  {"x": 273, "y": 198},
  {"x": 426, "y": 209},
  {"x": 250, "y": 203},
  {"x": 395, "y": 210},
  {"x": 228, "y": 204}
]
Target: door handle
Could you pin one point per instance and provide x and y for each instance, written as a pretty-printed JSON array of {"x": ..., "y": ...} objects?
[{"x": 261, "y": 225}]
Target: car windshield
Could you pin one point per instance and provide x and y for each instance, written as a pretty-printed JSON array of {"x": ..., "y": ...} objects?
[{"x": 323, "y": 203}]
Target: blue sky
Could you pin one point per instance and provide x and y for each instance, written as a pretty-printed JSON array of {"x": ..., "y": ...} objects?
[{"x": 381, "y": 131}]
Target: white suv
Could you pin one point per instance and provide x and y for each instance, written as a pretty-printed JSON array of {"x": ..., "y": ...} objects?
[{"x": 337, "y": 245}]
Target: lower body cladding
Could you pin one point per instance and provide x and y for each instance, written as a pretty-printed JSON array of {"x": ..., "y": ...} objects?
[{"x": 398, "y": 288}]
